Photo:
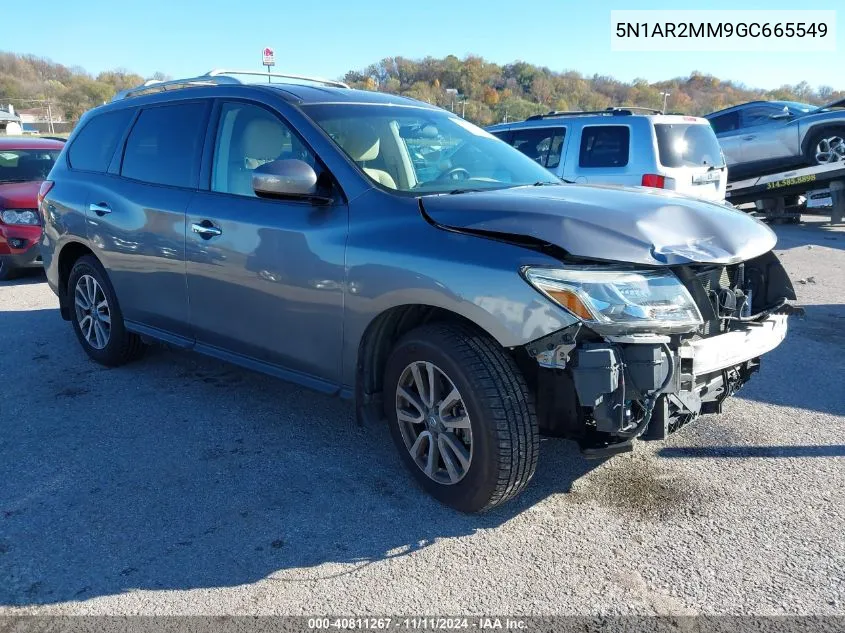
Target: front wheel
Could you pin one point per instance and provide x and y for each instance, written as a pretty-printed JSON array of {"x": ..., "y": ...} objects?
[
  {"x": 96, "y": 316},
  {"x": 461, "y": 416}
]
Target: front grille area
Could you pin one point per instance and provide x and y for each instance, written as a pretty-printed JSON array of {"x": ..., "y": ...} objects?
[{"x": 704, "y": 283}]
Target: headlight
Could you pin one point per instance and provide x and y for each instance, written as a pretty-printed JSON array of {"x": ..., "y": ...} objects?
[
  {"x": 19, "y": 216},
  {"x": 615, "y": 301}
]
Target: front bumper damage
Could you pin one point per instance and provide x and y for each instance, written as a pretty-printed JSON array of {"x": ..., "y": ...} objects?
[{"x": 606, "y": 391}]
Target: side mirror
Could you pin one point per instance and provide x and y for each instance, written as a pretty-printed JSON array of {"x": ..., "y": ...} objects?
[
  {"x": 779, "y": 116},
  {"x": 290, "y": 178}
]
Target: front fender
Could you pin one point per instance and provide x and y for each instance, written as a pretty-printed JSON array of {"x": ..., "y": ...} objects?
[{"x": 396, "y": 258}]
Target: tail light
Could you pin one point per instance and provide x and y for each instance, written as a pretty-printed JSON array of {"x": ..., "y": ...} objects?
[
  {"x": 654, "y": 180},
  {"x": 44, "y": 190}
]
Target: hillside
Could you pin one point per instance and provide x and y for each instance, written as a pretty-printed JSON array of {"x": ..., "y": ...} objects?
[
  {"x": 486, "y": 92},
  {"x": 518, "y": 90}
]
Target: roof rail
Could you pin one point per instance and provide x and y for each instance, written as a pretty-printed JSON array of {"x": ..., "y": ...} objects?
[
  {"x": 153, "y": 86},
  {"x": 222, "y": 72},
  {"x": 215, "y": 77},
  {"x": 612, "y": 111}
]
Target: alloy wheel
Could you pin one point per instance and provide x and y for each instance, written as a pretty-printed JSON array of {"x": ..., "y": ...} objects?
[
  {"x": 434, "y": 422},
  {"x": 92, "y": 311},
  {"x": 830, "y": 150}
]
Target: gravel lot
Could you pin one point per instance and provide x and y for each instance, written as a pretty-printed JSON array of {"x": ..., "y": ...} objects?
[{"x": 183, "y": 485}]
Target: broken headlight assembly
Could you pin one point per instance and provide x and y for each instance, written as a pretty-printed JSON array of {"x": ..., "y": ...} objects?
[{"x": 619, "y": 301}]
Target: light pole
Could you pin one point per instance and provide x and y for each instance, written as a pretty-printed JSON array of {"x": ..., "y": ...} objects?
[
  {"x": 452, "y": 92},
  {"x": 665, "y": 96}
]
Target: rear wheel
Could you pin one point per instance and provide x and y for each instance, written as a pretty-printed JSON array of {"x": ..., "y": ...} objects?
[
  {"x": 461, "y": 416},
  {"x": 826, "y": 146},
  {"x": 96, "y": 316}
]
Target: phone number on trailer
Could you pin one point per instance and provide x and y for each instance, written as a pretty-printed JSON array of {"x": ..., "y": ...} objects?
[{"x": 710, "y": 30}]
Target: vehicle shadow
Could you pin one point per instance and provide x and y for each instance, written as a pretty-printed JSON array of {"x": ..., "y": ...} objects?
[
  {"x": 811, "y": 232},
  {"x": 806, "y": 370},
  {"x": 179, "y": 472},
  {"x": 26, "y": 277}
]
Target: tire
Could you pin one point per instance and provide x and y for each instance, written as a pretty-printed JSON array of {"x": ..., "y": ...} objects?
[
  {"x": 7, "y": 271},
  {"x": 501, "y": 437},
  {"x": 835, "y": 134},
  {"x": 119, "y": 346}
]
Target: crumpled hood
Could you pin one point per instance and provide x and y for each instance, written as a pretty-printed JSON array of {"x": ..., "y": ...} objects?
[
  {"x": 19, "y": 195},
  {"x": 619, "y": 224}
]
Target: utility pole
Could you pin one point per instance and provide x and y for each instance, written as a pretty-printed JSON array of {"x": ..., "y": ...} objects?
[{"x": 50, "y": 117}]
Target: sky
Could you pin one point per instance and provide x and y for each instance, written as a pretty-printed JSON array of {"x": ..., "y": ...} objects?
[{"x": 329, "y": 37}]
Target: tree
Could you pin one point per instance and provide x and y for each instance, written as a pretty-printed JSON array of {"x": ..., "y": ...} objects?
[{"x": 491, "y": 96}]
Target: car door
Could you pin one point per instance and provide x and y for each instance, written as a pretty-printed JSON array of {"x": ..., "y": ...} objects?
[
  {"x": 728, "y": 131},
  {"x": 541, "y": 144},
  {"x": 136, "y": 216},
  {"x": 265, "y": 276},
  {"x": 603, "y": 155},
  {"x": 763, "y": 139}
]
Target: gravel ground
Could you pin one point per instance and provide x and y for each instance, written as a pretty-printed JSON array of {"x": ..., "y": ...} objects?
[{"x": 183, "y": 485}]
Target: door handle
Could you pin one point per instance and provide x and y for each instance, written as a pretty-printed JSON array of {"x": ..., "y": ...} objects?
[
  {"x": 100, "y": 208},
  {"x": 748, "y": 138},
  {"x": 206, "y": 229}
]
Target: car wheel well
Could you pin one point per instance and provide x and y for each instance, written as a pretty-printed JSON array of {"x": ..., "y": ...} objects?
[
  {"x": 820, "y": 129},
  {"x": 67, "y": 258},
  {"x": 379, "y": 339}
]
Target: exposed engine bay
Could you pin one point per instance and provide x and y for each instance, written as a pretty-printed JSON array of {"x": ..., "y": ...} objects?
[{"x": 606, "y": 390}]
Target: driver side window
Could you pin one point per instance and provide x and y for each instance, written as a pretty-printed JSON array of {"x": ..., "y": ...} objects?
[
  {"x": 249, "y": 136},
  {"x": 758, "y": 115}
]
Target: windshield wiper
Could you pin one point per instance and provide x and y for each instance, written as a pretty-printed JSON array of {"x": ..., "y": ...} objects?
[
  {"x": 455, "y": 192},
  {"x": 14, "y": 180},
  {"x": 545, "y": 183}
]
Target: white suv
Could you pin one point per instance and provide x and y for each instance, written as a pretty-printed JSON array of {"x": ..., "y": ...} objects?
[{"x": 624, "y": 146}]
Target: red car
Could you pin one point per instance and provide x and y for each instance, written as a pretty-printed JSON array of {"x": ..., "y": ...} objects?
[{"x": 24, "y": 165}]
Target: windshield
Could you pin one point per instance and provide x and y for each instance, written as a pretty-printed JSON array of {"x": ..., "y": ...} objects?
[
  {"x": 688, "y": 145},
  {"x": 798, "y": 108},
  {"x": 422, "y": 151},
  {"x": 22, "y": 165}
]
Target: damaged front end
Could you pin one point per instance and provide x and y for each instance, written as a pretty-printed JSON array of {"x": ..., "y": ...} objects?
[{"x": 653, "y": 349}]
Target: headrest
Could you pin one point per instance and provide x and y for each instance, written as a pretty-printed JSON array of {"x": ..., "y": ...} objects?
[
  {"x": 264, "y": 139},
  {"x": 362, "y": 144}
]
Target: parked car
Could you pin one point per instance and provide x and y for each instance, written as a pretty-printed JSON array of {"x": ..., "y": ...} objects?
[
  {"x": 764, "y": 137},
  {"x": 24, "y": 164},
  {"x": 465, "y": 295},
  {"x": 624, "y": 146}
]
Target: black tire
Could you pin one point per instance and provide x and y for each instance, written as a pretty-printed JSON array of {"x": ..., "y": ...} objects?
[
  {"x": 505, "y": 436},
  {"x": 123, "y": 346},
  {"x": 810, "y": 151},
  {"x": 7, "y": 271}
]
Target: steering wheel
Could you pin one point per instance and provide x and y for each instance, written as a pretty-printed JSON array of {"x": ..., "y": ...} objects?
[{"x": 456, "y": 173}]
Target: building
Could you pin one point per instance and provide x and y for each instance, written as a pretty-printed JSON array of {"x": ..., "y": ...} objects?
[{"x": 10, "y": 123}]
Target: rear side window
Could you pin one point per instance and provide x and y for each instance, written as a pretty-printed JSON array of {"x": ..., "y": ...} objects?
[
  {"x": 165, "y": 143},
  {"x": 725, "y": 122},
  {"x": 540, "y": 144},
  {"x": 604, "y": 146},
  {"x": 687, "y": 145},
  {"x": 94, "y": 146}
]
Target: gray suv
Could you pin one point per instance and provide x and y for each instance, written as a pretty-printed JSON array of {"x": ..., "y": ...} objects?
[{"x": 383, "y": 250}]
